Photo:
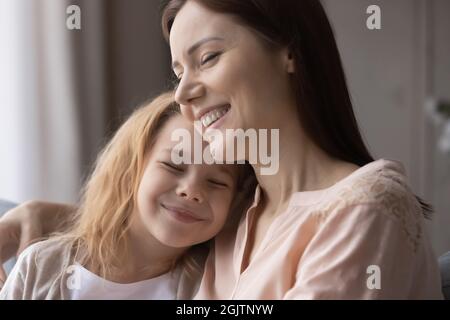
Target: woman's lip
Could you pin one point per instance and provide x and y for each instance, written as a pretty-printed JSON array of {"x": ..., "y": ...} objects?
[
  {"x": 180, "y": 214},
  {"x": 219, "y": 122},
  {"x": 207, "y": 110}
]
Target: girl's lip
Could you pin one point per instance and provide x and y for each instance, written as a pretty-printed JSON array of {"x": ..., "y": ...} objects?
[{"x": 181, "y": 214}]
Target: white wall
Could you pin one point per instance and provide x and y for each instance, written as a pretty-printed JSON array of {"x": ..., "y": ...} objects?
[
  {"x": 390, "y": 74},
  {"x": 440, "y": 87}
]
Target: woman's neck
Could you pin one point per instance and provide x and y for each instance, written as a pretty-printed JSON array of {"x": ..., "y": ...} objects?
[{"x": 302, "y": 167}]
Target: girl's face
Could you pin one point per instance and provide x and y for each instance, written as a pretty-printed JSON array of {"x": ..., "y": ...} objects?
[
  {"x": 182, "y": 205},
  {"x": 226, "y": 71}
]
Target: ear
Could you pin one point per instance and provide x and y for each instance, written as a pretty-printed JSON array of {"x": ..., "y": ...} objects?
[{"x": 289, "y": 61}]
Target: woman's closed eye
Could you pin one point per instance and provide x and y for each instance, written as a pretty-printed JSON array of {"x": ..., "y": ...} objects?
[
  {"x": 209, "y": 57},
  {"x": 176, "y": 81},
  {"x": 206, "y": 59}
]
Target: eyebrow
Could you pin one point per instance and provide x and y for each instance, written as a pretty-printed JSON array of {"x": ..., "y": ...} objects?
[
  {"x": 197, "y": 45},
  {"x": 227, "y": 172}
]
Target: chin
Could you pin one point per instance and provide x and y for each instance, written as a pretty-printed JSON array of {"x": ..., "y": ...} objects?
[
  {"x": 179, "y": 245},
  {"x": 178, "y": 238},
  {"x": 172, "y": 242}
]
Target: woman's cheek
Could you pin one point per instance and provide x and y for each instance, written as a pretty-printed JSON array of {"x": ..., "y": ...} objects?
[{"x": 224, "y": 75}]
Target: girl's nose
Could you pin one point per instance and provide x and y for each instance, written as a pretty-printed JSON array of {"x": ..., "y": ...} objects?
[{"x": 190, "y": 191}]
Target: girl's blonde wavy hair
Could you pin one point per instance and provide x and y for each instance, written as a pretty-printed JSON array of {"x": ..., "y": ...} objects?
[
  {"x": 98, "y": 229},
  {"x": 97, "y": 233}
]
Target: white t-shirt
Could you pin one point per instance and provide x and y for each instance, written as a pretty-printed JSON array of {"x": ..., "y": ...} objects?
[
  {"x": 45, "y": 271},
  {"x": 86, "y": 285}
]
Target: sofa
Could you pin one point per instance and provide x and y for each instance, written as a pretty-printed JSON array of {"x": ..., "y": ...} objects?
[{"x": 5, "y": 206}]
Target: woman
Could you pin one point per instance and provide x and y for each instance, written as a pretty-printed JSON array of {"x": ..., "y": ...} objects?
[{"x": 330, "y": 215}]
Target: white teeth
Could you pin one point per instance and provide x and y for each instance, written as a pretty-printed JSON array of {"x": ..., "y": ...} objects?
[{"x": 213, "y": 116}]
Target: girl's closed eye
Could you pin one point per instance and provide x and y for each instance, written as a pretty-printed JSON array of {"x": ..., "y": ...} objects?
[
  {"x": 172, "y": 167},
  {"x": 218, "y": 183}
]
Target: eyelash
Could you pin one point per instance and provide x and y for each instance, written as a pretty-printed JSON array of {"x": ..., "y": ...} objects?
[
  {"x": 208, "y": 58},
  {"x": 176, "y": 83},
  {"x": 172, "y": 167},
  {"x": 219, "y": 184},
  {"x": 179, "y": 170}
]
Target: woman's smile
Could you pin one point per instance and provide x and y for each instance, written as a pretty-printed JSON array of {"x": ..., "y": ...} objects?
[{"x": 210, "y": 116}]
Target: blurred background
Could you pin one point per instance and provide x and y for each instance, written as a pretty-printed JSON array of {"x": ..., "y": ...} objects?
[{"x": 62, "y": 92}]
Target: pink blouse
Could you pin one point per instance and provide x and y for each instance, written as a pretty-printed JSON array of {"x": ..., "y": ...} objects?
[{"x": 362, "y": 238}]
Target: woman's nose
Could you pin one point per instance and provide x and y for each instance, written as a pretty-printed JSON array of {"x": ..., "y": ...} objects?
[{"x": 188, "y": 91}]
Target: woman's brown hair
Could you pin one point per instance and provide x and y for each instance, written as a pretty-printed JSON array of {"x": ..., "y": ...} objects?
[{"x": 323, "y": 101}]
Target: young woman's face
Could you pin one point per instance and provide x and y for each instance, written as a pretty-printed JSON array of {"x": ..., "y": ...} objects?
[
  {"x": 226, "y": 68},
  {"x": 182, "y": 205}
]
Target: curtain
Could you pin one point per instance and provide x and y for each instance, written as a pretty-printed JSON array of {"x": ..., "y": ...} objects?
[
  {"x": 63, "y": 92},
  {"x": 53, "y": 94}
]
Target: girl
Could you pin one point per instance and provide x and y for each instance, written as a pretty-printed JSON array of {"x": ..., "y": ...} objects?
[{"x": 139, "y": 216}]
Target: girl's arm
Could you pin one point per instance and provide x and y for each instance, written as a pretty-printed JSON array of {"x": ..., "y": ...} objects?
[{"x": 22, "y": 225}]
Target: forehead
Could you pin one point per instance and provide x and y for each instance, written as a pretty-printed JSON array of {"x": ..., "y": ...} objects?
[
  {"x": 194, "y": 22},
  {"x": 165, "y": 143},
  {"x": 174, "y": 123},
  {"x": 178, "y": 131}
]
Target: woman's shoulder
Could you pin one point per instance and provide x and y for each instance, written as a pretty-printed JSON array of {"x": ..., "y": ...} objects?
[
  {"x": 377, "y": 192},
  {"x": 380, "y": 183}
]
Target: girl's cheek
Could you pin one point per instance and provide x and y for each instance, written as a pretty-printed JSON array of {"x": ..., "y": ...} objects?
[{"x": 221, "y": 200}]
